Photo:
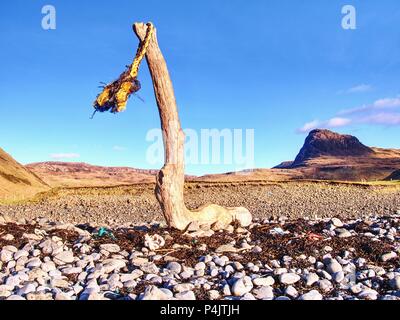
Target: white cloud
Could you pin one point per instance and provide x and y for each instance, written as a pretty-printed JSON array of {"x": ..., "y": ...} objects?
[
  {"x": 380, "y": 112},
  {"x": 337, "y": 122},
  {"x": 360, "y": 88},
  {"x": 385, "y": 103},
  {"x": 309, "y": 126},
  {"x": 119, "y": 148},
  {"x": 357, "y": 89},
  {"x": 59, "y": 156},
  {"x": 354, "y": 110},
  {"x": 383, "y": 118},
  {"x": 328, "y": 124}
]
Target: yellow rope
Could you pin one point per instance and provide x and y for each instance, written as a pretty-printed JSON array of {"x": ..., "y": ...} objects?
[
  {"x": 142, "y": 50},
  {"x": 126, "y": 82}
]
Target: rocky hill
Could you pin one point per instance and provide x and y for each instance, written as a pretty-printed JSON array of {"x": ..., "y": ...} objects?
[
  {"x": 320, "y": 143},
  {"x": 16, "y": 181},
  {"x": 328, "y": 155}
]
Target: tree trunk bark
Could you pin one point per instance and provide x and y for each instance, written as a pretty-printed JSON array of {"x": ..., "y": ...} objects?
[{"x": 171, "y": 178}]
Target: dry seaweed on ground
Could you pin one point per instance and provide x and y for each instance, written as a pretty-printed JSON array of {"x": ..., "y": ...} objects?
[
  {"x": 68, "y": 236},
  {"x": 187, "y": 256},
  {"x": 278, "y": 246},
  {"x": 201, "y": 294},
  {"x": 16, "y": 230}
]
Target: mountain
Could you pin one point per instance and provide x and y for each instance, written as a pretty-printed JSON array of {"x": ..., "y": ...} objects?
[
  {"x": 78, "y": 174},
  {"x": 321, "y": 143},
  {"x": 328, "y": 155},
  {"x": 16, "y": 181}
]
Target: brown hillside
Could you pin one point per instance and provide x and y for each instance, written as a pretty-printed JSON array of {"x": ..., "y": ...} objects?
[{"x": 16, "y": 181}]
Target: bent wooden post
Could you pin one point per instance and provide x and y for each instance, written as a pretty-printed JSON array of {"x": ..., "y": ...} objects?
[{"x": 171, "y": 178}]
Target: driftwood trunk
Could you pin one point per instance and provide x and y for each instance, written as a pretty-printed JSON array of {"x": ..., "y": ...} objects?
[{"x": 171, "y": 178}]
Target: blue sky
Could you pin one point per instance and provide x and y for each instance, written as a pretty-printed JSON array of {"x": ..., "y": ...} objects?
[{"x": 278, "y": 67}]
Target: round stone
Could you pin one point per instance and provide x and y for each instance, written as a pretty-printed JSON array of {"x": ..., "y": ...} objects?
[
  {"x": 213, "y": 295},
  {"x": 200, "y": 266},
  {"x": 268, "y": 281},
  {"x": 227, "y": 290},
  {"x": 187, "y": 295},
  {"x": 6, "y": 255},
  {"x": 59, "y": 283},
  {"x": 257, "y": 249},
  {"x": 248, "y": 296},
  {"x": 187, "y": 274},
  {"x": 264, "y": 293},
  {"x": 311, "y": 295},
  {"x": 20, "y": 253},
  {"x": 388, "y": 256},
  {"x": 61, "y": 296},
  {"x": 325, "y": 285},
  {"x": 111, "y": 265},
  {"x": 64, "y": 257},
  {"x": 289, "y": 278},
  {"x": 219, "y": 261},
  {"x": 242, "y": 286},
  {"x": 182, "y": 287},
  {"x": 337, "y": 222},
  {"x": 291, "y": 292},
  {"x": 34, "y": 263},
  {"x": 154, "y": 293},
  {"x": 73, "y": 270},
  {"x": 110, "y": 247},
  {"x": 311, "y": 278},
  {"x": 8, "y": 237},
  {"x": 343, "y": 233},
  {"x": 312, "y": 260},
  {"x": 332, "y": 265},
  {"x": 368, "y": 294},
  {"x": 149, "y": 267},
  {"x": 28, "y": 288},
  {"x": 174, "y": 267},
  {"x": 213, "y": 272},
  {"x": 338, "y": 277},
  {"x": 238, "y": 266}
]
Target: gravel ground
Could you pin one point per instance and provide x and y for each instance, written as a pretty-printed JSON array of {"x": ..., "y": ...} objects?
[
  {"x": 104, "y": 206},
  {"x": 279, "y": 259}
]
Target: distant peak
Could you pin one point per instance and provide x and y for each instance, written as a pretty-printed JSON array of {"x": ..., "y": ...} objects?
[
  {"x": 323, "y": 142},
  {"x": 327, "y": 133}
]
